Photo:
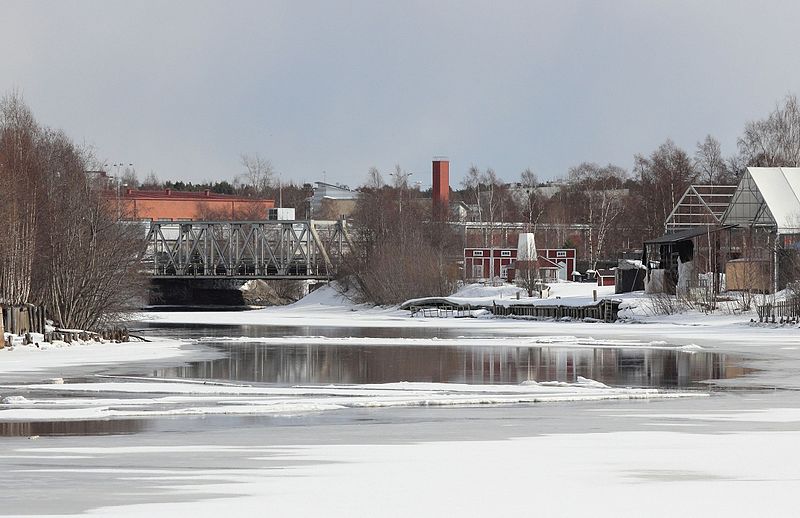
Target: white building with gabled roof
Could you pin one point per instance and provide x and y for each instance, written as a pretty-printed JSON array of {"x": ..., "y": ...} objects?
[{"x": 767, "y": 197}]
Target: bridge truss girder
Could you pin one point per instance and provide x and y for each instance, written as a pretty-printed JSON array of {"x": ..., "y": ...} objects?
[{"x": 246, "y": 250}]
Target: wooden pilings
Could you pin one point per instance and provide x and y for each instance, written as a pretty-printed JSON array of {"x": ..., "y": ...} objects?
[
  {"x": 26, "y": 318},
  {"x": 116, "y": 334}
]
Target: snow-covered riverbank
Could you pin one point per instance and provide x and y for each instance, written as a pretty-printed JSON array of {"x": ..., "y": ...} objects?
[
  {"x": 723, "y": 329},
  {"x": 50, "y": 360}
]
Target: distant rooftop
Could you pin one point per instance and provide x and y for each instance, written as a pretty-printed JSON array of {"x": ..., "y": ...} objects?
[{"x": 181, "y": 195}]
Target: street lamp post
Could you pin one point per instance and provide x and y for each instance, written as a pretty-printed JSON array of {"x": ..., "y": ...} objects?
[{"x": 118, "y": 181}]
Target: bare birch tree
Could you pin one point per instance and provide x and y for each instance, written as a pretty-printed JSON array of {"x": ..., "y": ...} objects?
[
  {"x": 60, "y": 244},
  {"x": 259, "y": 173},
  {"x": 774, "y": 141},
  {"x": 711, "y": 167},
  {"x": 533, "y": 202},
  {"x": 601, "y": 190},
  {"x": 375, "y": 178},
  {"x": 19, "y": 189}
]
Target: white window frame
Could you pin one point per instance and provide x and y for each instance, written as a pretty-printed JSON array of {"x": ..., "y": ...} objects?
[
  {"x": 561, "y": 253},
  {"x": 477, "y": 253},
  {"x": 505, "y": 253}
]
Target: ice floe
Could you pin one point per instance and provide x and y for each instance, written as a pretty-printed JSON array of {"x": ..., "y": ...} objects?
[{"x": 130, "y": 398}]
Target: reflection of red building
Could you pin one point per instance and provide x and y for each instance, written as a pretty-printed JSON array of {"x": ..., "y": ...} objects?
[
  {"x": 486, "y": 263},
  {"x": 178, "y": 205}
]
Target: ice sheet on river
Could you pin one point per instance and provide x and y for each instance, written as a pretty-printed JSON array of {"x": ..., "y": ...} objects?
[
  {"x": 560, "y": 341},
  {"x": 146, "y": 397}
]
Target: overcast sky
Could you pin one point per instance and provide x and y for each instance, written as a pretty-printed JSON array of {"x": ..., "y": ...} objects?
[{"x": 184, "y": 88}]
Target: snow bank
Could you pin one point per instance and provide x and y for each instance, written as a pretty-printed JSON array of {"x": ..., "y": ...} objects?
[
  {"x": 485, "y": 291},
  {"x": 46, "y": 356}
]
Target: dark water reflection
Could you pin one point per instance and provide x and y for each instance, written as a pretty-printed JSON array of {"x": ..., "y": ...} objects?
[
  {"x": 313, "y": 363},
  {"x": 92, "y": 427},
  {"x": 326, "y": 363}
]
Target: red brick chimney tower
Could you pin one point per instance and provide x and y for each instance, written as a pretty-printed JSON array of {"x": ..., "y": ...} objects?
[{"x": 441, "y": 188}]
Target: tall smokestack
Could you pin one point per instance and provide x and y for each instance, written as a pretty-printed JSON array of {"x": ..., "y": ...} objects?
[{"x": 441, "y": 188}]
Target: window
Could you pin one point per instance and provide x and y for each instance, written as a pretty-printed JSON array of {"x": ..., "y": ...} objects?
[
  {"x": 505, "y": 253},
  {"x": 477, "y": 253},
  {"x": 477, "y": 271},
  {"x": 561, "y": 253}
]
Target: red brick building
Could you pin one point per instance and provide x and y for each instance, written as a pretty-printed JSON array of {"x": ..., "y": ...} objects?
[{"x": 179, "y": 205}]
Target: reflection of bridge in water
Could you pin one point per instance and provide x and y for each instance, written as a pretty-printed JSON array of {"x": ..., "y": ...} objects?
[{"x": 301, "y": 249}]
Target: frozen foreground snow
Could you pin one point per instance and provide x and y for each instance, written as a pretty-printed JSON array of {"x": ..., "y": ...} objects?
[
  {"x": 612, "y": 467},
  {"x": 616, "y": 474},
  {"x": 212, "y": 448}
]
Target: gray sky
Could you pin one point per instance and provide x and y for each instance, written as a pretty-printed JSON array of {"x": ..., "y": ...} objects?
[{"x": 183, "y": 88}]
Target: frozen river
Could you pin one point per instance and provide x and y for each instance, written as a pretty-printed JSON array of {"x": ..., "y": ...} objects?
[{"x": 257, "y": 419}]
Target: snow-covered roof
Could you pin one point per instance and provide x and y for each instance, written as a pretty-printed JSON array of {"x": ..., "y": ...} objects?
[{"x": 767, "y": 196}]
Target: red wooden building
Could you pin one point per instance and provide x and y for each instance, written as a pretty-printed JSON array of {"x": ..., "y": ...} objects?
[
  {"x": 488, "y": 263},
  {"x": 606, "y": 277},
  {"x": 564, "y": 258}
]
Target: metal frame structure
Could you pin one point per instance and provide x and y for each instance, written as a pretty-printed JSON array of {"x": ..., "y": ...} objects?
[
  {"x": 700, "y": 206},
  {"x": 298, "y": 249},
  {"x": 748, "y": 207}
]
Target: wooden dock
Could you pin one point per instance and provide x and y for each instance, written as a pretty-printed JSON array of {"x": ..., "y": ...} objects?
[{"x": 605, "y": 310}]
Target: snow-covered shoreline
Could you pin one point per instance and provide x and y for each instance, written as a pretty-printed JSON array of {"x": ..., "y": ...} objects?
[
  {"x": 49, "y": 359},
  {"x": 326, "y": 307}
]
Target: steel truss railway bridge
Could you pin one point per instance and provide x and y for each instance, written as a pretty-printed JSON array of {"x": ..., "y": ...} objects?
[{"x": 300, "y": 249}]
